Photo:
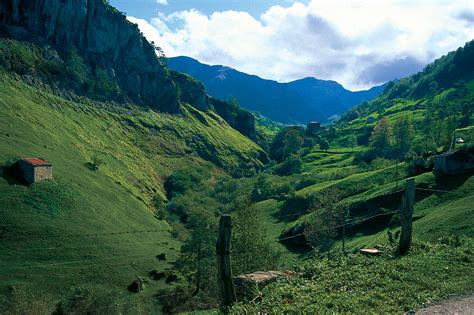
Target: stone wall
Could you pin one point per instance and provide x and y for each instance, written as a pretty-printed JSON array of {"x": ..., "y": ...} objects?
[{"x": 43, "y": 173}]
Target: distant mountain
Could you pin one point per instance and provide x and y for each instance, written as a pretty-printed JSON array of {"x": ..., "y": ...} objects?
[{"x": 295, "y": 102}]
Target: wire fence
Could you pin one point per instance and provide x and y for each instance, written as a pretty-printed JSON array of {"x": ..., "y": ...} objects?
[
  {"x": 156, "y": 298},
  {"x": 432, "y": 190},
  {"x": 101, "y": 234},
  {"x": 77, "y": 247},
  {"x": 83, "y": 261},
  {"x": 355, "y": 220},
  {"x": 93, "y": 268}
]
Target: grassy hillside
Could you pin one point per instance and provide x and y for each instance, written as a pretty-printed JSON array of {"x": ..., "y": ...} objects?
[
  {"x": 59, "y": 238},
  {"x": 360, "y": 285},
  {"x": 303, "y": 211}
]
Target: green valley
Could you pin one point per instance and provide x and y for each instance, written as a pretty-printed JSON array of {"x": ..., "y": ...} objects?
[{"x": 145, "y": 164}]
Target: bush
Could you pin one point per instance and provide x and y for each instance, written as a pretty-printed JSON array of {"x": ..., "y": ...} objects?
[
  {"x": 268, "y": 187},
  {"x": 287, "y": 142},
  {"x": 291, "y": 166},
  {"x": 365, "y": 156},
  {"x": 185, "y": 179},
  {"x": 96, "y": 162}
]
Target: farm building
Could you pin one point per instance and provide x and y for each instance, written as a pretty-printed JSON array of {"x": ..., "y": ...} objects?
[
  {"x": 454, "y": 162},
  {"x": 35, "y": 169}
]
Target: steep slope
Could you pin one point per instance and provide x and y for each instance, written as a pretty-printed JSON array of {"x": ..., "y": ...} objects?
[
  {"x": 294, "y": 102},
  {"x": 91, "y": 48},
  {"x": 450, "y": 74},
  {"x": 48, "y": 241},
  {"x": 362, "y": 174},
  {"x": 103, "y": 38},
  {"x": 81, "y": 88}
]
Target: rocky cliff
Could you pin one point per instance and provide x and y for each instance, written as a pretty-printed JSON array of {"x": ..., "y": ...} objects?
[
  {"x": 90, "y": 47},
  {"x": 104, "y": 38}
]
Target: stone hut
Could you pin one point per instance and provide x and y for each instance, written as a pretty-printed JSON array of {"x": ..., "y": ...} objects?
[
  {"x": 35, "y": 169},
  {"x": 314, "y": 127},
  {"x": 454, "y": 162}
]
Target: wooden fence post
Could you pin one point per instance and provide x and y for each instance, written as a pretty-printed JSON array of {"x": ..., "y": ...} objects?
[
  {"x": 346, "y": 217},
  {"x": 226, "y": 282},
  {"x": 406, "y": 216}
]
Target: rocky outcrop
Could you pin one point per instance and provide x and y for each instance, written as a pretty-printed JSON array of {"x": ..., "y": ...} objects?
[
  {"x": 104, "y": 38},
  {"x": 191, "y": 91},
  {"x": 237, "y": 117},
  {"x": 250, "y": 284}
]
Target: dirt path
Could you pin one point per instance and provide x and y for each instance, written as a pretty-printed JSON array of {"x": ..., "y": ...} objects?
[{"x": 458, "y": 305}]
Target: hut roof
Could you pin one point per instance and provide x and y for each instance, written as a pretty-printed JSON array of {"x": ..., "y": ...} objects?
[{"x": 37, "y": 161}]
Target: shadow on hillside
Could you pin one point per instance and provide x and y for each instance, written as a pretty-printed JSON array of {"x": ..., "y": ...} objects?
[
  {"x": 292, "y": 209},
  {"x": 451, "y": 182},
  {"x": 13, "y": 174}
]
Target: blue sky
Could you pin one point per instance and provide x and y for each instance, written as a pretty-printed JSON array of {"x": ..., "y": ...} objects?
[
  {"x": 358, "y": 43},
  {"x": 148, "y": 9}
]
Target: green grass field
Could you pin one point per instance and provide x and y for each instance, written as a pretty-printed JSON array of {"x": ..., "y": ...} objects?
[{"x": 56, "y": 237}]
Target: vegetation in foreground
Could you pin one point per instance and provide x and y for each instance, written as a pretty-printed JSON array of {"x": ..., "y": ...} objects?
[{"x": 359, "y": 284}]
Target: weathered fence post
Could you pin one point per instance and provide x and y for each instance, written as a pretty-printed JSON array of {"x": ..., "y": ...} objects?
[
  {"x": 346, "y": 217},
  {"x": 226, "y": 282},
  {"x": 406, "y": 216}
]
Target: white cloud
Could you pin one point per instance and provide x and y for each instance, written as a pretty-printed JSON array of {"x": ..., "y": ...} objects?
[
  {"x": 358, "y": 43},
  {"x": 162, "y": 2}
]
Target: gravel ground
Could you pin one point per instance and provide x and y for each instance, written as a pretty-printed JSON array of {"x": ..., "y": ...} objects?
[{"x": 458, "y": 305}]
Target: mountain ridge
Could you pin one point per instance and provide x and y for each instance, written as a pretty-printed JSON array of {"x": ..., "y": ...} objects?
[{"x": 288, "y": 102}]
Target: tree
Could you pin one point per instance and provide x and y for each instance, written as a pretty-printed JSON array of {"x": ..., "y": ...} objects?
[
  {"x": 319, "y": 231},
  {"x": 76, "y": 69},
  {"x": 198, "y": 259},
  {"x": 428, "y": 128},
  {"x": 467, "y": 110},
  {"x": 324, "y": 145},
  {"x": 403, "y": 135},
  {"x": 292, "y": 165},
  {"x": 103, "y": 84},
  {"x": 352, "y": 141},
  {"x": 250, "y": 250},
  {"x": 96, "y": 161},
  {"x": 286, "y": 142},
  {"x": 380, "y": 137}
]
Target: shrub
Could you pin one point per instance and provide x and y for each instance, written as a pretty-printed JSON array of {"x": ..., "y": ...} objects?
[
  {"x": 96, "y": 162},
  {"x": 287, "y": 142},
  {"x": 185, "y": 179},
  {"x": 290, "y": 166}
]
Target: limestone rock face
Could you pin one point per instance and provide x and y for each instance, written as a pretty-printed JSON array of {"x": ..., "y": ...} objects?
[{"x": 104, "y": 38}]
